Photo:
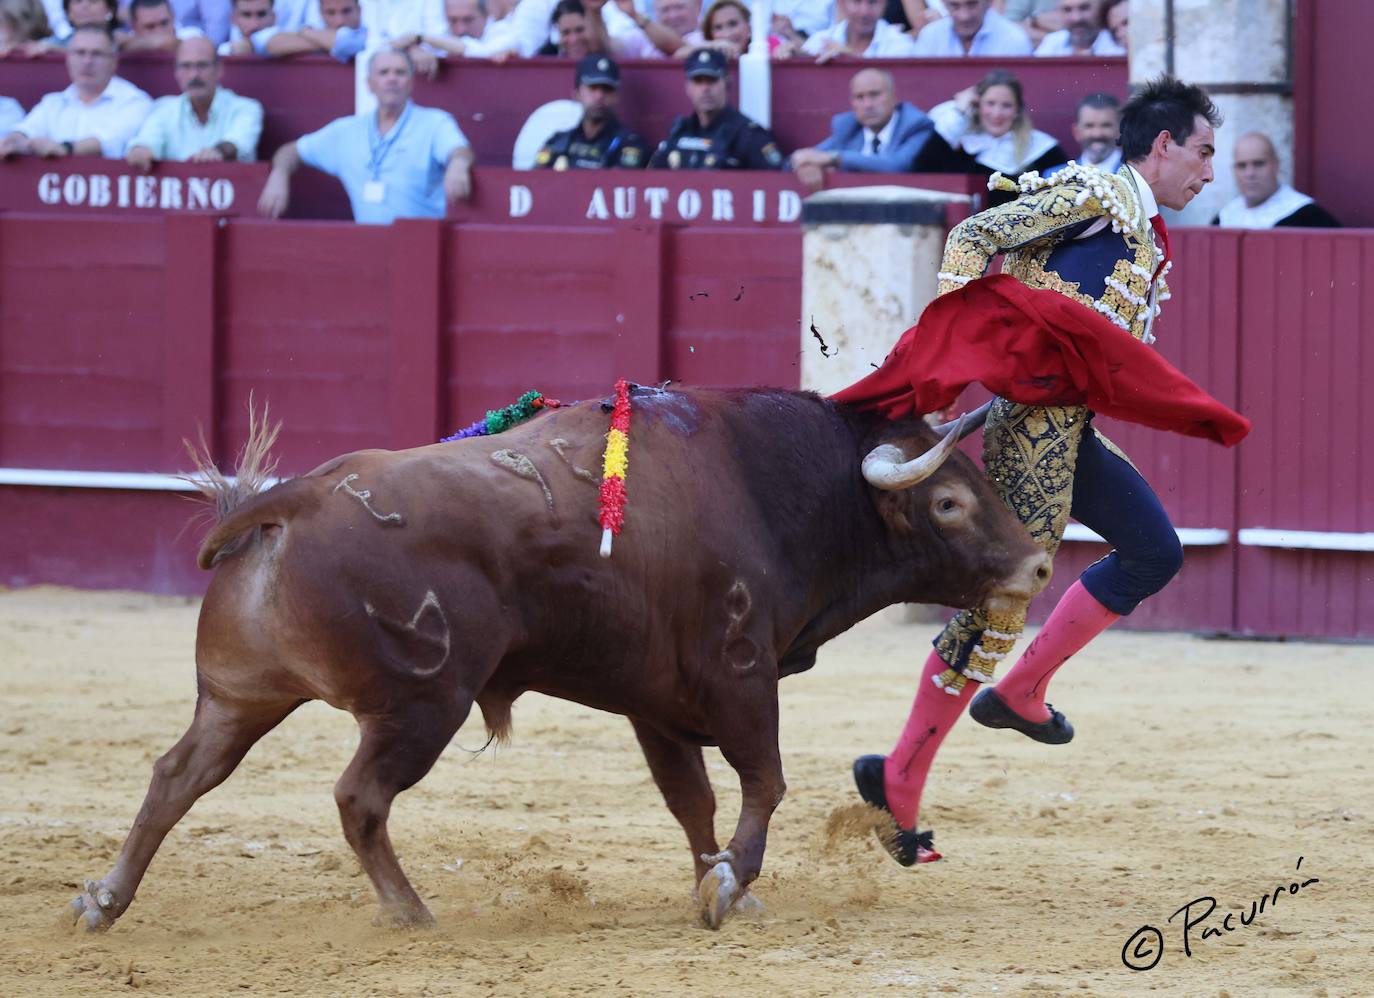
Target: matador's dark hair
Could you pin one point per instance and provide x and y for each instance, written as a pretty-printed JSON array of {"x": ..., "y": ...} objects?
[{"x": 1163, "y": 105}]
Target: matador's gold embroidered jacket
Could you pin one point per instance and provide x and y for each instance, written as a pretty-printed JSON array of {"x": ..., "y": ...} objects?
[{"x": 1084, "y": 234}]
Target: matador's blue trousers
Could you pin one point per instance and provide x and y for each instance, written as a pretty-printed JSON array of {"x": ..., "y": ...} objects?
[{"x": 1111, "y": 498}]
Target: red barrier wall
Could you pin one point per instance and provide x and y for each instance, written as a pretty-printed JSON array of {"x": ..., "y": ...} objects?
[
  {"x": 1308, "y": 317},
  {"x": 118, "y": 337},
  {"x": 492, "y": 101}
]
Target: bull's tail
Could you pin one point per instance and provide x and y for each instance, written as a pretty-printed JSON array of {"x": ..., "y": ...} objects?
[{"x": 244, "y": 501}]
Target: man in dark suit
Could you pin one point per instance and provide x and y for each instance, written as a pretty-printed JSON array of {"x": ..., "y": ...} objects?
[{"x": 880, "y": 134}]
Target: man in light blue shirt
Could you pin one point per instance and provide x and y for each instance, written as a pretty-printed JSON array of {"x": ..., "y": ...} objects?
[
  {"x": 206, "y": 124},
  {"x": 403, "y": 161},
  {"x": 972, "y": 28}
]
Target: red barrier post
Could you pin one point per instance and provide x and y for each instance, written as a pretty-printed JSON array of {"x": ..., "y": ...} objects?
[
  {"x": 638, "y": 280},
  {"x": 415, "y": 363},
  {"x": 188, "y": 336}
]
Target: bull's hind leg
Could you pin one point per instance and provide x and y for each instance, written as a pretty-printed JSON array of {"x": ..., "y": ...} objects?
[
  {"x": 745, "y": 718},
  {"x": 398, "y": 748},
  {"x": 219, "y": 737},
  {"x": 680, "y": 773}
]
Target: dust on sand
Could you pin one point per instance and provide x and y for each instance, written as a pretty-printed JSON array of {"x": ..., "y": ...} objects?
[{"x": 1200, "y": 769}]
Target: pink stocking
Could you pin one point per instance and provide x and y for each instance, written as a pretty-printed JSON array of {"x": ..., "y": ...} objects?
[
  {"x": 932, "y": 716},
  {"x": 1076, "y": 620}
]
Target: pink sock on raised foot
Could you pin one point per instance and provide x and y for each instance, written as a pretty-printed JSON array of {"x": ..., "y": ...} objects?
[
  {"x": 932, "y": 716},
  {"x": 1076, "y": 620}
]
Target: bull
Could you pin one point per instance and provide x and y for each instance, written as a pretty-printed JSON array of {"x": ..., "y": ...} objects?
[{"x": 406, "y": 586}]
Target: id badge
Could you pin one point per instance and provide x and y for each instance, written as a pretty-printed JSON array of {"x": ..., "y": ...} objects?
[{"x": 374, "y": 192}]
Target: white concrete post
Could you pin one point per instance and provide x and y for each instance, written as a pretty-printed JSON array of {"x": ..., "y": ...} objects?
[
  {"x": 1237, "y": 50},
  {"x": 755, "y": 67},
  {"x": 869, "y": 260}
]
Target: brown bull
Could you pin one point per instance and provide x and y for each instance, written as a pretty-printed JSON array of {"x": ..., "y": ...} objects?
[{"x": 404, "y": 586}]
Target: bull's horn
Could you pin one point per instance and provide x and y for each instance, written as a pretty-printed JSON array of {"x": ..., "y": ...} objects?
[
  {"x": 972, "y": 421},
  {"x": 886, "y": 466}
]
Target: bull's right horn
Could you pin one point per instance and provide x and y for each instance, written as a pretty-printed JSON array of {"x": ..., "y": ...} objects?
[
  {"x": 886, "y": 466},
  {"x": 970, "y": 421}
]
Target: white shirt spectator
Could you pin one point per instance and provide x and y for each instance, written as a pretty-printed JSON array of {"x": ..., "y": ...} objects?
[
  {"x": 174, "y": 132},
  {"x": 259, "y": 40},
  {"x": 497, "y": 36},
  {"x": 807, "y": 16},
  {"x": 889, "y": 41},
  {"x": 1021, "y": 10},
  {"x": 530, "y": 24},
  {"x": 57, "y": 19},
  {"x": 113, "y": 117},
  {"x": 997, "y": 36},
  {"x": 292, "y": 15},
  {"x": 397, "y": 18},
  {"x": 11, "y": 113},
  {"x": 628, "y": 40},
  {"x": 210, "y": 16},
  {"x": 1057, "y": 43}
]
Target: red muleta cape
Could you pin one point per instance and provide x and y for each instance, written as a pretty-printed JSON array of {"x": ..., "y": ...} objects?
[{"x": 1037, "y": 347}]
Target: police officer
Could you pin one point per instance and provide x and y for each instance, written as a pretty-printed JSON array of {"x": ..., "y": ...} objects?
[
  {"x": 714, "y": 136},
  {"x": 598, "y": 140}
]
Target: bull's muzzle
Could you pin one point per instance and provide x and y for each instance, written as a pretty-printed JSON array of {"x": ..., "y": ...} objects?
[{"x": 1029, "y": 577}]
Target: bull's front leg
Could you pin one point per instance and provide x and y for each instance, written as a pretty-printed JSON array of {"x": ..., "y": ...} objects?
[{"x": 746, "y": 723}]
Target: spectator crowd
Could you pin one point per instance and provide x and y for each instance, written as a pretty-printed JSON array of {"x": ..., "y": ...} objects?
[{"x": 404, "y": 159}]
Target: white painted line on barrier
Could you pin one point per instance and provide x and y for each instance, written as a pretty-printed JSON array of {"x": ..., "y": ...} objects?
[
  {"x": 1187, "y": 536},
  {"x": 1315, "y": 540},
  {"x": 136, "y": 481}
]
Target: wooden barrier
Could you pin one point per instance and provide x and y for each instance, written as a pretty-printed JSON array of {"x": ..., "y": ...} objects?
[{"x": 120, "y": 336}]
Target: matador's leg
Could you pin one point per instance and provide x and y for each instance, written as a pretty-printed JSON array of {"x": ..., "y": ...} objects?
[
  {"x": 1111, "y": 498},
  {"x": 1029, "y": 455}
]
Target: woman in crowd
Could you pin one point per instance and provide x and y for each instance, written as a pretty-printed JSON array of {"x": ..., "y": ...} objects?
[
  {"x": 22, "y": 22},
  {"x": 986, "y": 129},
  {"x": 726, "y": 26}
]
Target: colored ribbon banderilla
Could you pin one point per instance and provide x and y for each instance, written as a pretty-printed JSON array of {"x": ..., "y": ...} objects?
[{"x": 615, "y": 464}]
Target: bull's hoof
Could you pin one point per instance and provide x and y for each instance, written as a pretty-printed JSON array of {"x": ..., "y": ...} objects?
[
  {"x": 404, "y": 918},
  {"x": 93, "y": 909},
  {"x": 717, "y": 892}
]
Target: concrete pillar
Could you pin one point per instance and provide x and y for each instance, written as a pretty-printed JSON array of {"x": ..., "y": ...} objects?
[
  {"x": 1240, "y": 51},
  {"x": 869, "y": 260}
]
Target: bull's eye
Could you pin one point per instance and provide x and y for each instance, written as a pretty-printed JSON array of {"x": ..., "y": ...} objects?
[{"x": 948, "y": 505}]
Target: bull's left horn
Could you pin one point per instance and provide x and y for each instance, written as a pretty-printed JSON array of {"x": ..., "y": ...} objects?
[{"x": 886, "y": 466}]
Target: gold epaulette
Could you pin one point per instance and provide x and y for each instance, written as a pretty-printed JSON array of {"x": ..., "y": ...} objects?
[{"x": 1106, "y": 189}]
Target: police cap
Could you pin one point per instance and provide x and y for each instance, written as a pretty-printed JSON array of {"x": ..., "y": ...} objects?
[
  {"x": 597, "y": 69},
  {"x": 706, "y": 62}
]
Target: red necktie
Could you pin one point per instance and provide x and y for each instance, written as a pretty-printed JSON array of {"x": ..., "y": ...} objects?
[{"x": 1162, "y": 230}]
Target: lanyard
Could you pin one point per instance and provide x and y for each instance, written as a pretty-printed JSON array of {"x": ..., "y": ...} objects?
[{"x": 379, "y": 146}]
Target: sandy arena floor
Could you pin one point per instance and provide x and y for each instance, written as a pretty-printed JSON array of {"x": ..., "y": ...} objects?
[{"x": 1200, "y": 768}]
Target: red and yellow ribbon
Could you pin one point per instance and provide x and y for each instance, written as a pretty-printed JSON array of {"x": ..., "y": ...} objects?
[{"x": 615, "y": 464}]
